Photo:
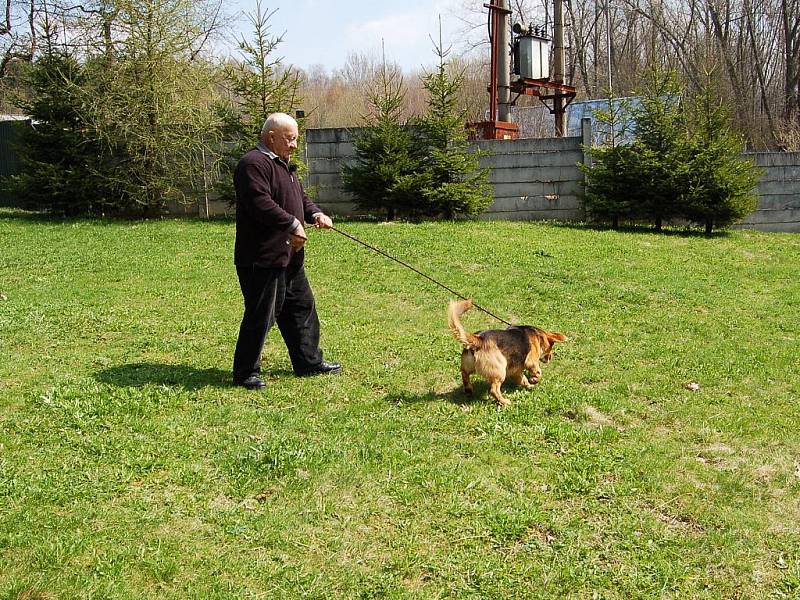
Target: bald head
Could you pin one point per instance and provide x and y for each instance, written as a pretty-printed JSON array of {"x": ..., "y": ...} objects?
[
  {"x": 279, "y": 134},
  {"x": 276, "y": 121}
]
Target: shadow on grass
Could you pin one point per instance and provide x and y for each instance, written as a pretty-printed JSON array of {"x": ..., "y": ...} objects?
[
  {"x": 454, "y": 396},
  {"x": 184, "y": 376},
  {"x": 33, "y": 216},
  {"x": 641, "y": 229}
]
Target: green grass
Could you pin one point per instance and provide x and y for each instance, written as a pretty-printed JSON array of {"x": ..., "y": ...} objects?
[{"x": 129, "y": 468}]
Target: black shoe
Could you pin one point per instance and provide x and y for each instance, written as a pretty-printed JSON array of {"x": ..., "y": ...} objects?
[
  {"x": 254, "y": 382},
  {"x": 323, "y": 368}
]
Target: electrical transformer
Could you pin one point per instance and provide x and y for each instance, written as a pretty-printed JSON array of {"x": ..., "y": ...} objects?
[{"x": 532, "y": 57}]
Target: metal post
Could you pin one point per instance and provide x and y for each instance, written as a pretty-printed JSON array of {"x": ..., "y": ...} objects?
[
  {"x": 610, "y": 80},
  {"x": 494, "y": 20},
  {"x": 559, "y": 67},
  {"x": 204, "y": 212},
  {"x": 503, "y": 63}
]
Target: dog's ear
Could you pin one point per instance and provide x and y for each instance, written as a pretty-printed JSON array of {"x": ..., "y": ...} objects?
[{"x": 554, "y": 336}]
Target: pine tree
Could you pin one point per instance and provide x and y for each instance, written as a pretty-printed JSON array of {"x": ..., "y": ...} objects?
[
  {"x": 260, "y": 86},
  {"x": 611, "y": 182},
  {"x": 641, "y": 180},
  {"x": 62, "y": 159},
  {"x": 383, "y": 160},
  {"x": 450, "y": 181},
  {"x": 720, "y": 185},
  {"x": 122, "y": 126},
  {"x": 150, "y": 100},
  {"x": 660, "y": 148}
]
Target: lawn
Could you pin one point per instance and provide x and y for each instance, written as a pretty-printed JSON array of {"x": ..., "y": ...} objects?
[{"x": 130, "y": 468}]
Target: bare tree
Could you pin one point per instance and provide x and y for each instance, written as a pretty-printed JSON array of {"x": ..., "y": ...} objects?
[
  {"x": 790, "y": 16},
  {"x": 17, "y": 34}
]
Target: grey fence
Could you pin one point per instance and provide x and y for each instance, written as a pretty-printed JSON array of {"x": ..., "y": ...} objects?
[
  {"x": 532, "y": 179},
  {"x": 536, "y": 179},
  {"x": 778, "y": 191}
]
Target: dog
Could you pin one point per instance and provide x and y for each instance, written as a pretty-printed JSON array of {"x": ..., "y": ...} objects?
[{"x": 500, "y": 354}]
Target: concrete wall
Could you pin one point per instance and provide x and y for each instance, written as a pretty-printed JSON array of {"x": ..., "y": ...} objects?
[
  {"x": 779, "y": 193},
  {"x": 327, "y": 151},
  {"x": 532, "y": 178},
  {"x": 539, "y": 179}
]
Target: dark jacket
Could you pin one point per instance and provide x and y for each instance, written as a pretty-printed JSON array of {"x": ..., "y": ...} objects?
[{"x": 269, "y": 198}]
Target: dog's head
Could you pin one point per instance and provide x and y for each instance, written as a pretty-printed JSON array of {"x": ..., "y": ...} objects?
[{"x": 545, "y": 340}]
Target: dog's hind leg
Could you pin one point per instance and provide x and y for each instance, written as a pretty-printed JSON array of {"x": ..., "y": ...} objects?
[
  {"x": 466, "y": 381},
  {"x": 467, "y": 369}
]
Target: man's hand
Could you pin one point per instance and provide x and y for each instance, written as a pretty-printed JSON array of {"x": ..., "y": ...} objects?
[
  {"x": 323, "y": 220},
  {"x": 298, "y": 237}
]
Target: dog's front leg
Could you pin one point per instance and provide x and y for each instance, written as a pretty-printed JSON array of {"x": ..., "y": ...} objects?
[
  {"x": 522, "y": 381},
  {"x": 494, "y": 390},
  {"x": 536, "y": 371}
]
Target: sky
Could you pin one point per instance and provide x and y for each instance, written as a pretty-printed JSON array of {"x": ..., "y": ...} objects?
[{"x": 324, "y": 32}]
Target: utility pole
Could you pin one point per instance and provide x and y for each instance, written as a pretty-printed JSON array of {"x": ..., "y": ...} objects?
[
  {"x": 498, "y": 126},
  {"x": 559, "y": 110},
  {"x": 529, "y": 81},
  {"x": 503, "y": 48}
]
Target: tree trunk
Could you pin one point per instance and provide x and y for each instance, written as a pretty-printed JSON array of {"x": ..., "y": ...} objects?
[
  {"x": 759, "y": 64},
  {"x": 6, "y": 27},
  {"x": 791, "y": 33}
]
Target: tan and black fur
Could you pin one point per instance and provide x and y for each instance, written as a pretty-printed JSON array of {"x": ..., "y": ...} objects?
[{"x": 500, "y": 354}]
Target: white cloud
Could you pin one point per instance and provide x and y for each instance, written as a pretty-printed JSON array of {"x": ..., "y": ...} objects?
[
  {"x": 406, "y": 34},
  {"x": 325, "y": 32}
]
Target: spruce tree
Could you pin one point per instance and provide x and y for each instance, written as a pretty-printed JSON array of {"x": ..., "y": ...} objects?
[
  {"x": 150, "y": 101},
  {"x": 259, "y": 86},
  {"x": 450, "y": 181},
  {"x": 122, "y": 126},
  {"x": 62, "y": 159},
  {"x": 641, "y": 180},
  {"x": 383, "y": 160},
  {"x": 611, "y": 181},
  {"x": 660, "y": 148},
  {"x": 611, "y": 184},
  {"x": 719, "y": 184}
]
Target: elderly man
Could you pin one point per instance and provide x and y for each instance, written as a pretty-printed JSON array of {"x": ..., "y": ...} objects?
[{"x": 271, "y": 208}]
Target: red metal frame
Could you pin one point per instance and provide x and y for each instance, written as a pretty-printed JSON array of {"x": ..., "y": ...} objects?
[
  {"x": 534, "y": 87},
  {"x": 494, "y": 129},
  {"x": 561, "y": 94}
]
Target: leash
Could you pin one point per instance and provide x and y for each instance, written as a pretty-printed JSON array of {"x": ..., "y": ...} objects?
[{"x": 418, "y": 272}]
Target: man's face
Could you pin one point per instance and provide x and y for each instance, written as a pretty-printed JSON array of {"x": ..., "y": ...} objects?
[{"x": 283, "y": 141}]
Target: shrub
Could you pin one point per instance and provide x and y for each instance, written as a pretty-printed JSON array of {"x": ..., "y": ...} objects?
[
  {"x": 62, "y": 162},
  {"x": 382, "y": 176},
  {"x": 420, "y": 169},
  {"x": 675, "y": 167}
]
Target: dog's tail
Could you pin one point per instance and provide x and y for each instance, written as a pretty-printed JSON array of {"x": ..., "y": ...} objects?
[{"x": 454, "y": 310}]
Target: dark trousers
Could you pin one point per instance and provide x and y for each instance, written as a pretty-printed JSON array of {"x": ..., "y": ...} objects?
[{"x": 276, "y": 295}]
